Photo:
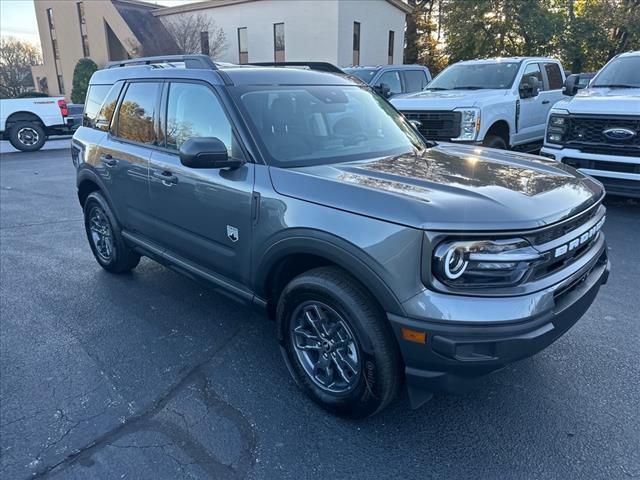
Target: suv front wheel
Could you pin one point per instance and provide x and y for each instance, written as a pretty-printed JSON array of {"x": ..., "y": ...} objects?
[
  {"x": 103, "y": 233},
  {"x": 337, "y": 343}
]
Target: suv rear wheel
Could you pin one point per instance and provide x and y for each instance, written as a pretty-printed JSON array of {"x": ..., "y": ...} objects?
[
  {"x": 103, "y": 233},
  {"x": 337, "y": 343},
  {"x": 27, "y": 136}
]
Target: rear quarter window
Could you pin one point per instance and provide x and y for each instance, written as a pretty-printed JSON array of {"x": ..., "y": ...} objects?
[{"x": 100, "y": 105}]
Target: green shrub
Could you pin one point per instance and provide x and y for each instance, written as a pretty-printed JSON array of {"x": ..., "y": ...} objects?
[{"x": 81, "y": 76}]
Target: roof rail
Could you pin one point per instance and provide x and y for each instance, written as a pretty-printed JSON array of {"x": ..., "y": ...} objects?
[
  {"x": 321, "y": 66},
  {"x": 190, "y": 61}
]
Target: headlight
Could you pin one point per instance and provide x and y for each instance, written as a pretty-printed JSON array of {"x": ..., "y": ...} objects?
[
  {"x": 557, "y": 128},
  {"x": 469, "y": 123},
  {"x": 484, "y": 263}
]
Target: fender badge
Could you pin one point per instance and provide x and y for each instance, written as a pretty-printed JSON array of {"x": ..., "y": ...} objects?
[{"x": 232, "y": 233}]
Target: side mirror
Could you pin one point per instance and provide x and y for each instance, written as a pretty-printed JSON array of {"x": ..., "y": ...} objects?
[
  {"x": 530, "y": 88},
  {"x": 383, "y": 89},
  {"x": 206, "y": 152},
  {"x": 571, "y": 85}
]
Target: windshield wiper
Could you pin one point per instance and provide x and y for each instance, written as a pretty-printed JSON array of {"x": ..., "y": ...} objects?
[
  {"x": 468, "y": 87},
  {"x": 616, "y": 85},
  {"x": 435, "y": 88}
]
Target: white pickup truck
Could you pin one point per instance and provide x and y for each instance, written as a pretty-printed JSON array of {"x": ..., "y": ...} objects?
[
  {"x": 28, "y": 122},
  {"x": 499, "y": 103},
  {"x": 597, "y": 129}
]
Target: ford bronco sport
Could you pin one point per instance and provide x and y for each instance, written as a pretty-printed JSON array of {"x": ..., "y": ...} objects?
[{"x": 383, "y": 257}]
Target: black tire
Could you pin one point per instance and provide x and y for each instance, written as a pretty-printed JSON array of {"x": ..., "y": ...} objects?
[
  {"x": 494, "y": 141},
  {"x": 27, "y": 136},
  {"x": 120, "y": 257},
  {"x": 379, "y": 375}
]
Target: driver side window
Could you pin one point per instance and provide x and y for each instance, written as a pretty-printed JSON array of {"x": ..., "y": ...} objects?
[
  {"x": 532, "y": 70},
  {"x": 392, "y": 79}
]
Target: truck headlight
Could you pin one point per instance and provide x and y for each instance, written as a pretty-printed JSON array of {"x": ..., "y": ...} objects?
[
  {"x": 557, "y": 128},
  {"x": 484, "y": 263},
  {"x": 469, "y": 123}
]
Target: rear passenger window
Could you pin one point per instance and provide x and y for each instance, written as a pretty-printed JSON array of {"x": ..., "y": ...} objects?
[
  {"x": 554, "y": 75},
  {"x": 93, "y": 102},
  {"x": 193, "y": 110},
  {"x": 136, "y": 113},
  {"x": 414, "y": 80}
]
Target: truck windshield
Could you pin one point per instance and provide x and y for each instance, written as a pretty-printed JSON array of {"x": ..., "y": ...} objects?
[
  {"x": 499, "y": 75},
  {"x": 619, "y": 73},
  {"x": 364, "y": 74},
  {"x": 315, "y": 125}
]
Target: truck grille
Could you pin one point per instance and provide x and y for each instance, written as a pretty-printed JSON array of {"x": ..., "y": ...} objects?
[
  {"x": 621, "y": 167},
  {"x": 436, "y": 125},
  {"x": 587, "y": 134}
]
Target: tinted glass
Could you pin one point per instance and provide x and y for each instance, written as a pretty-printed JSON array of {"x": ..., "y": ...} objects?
[
  {"x": 135, "y": 115},
  {"x": 312, "y": 125},
  {"x": 364, "y": 74},
  {"x": 554, "y": 75},
  {"x": 93, "y": 102},
  {"x": 532, "y": 70},
  {"x": 392, "y": 79},
  {"x": 623, "y": 72},
  {"x": 414, "y": 80},
  {"x": 476, "y": 76},
  {"x": 193, "y": 110}
]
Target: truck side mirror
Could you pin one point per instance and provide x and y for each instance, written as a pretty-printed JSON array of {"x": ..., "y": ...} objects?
[
  {"x": 571, "y": 85},
  {"x": 530, "y": 88},
  {"x": 383, "y": 89}
]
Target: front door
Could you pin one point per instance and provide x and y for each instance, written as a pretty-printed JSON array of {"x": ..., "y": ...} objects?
[
  {"x": 202, "y": 215},
  {"x": 532, "y": 118}
]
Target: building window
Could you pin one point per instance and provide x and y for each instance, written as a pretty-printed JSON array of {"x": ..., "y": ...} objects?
[
  {"x": 243, "y": 47},
  {"x": 204, "y": 43},
  {"x": 81, "y": 13},
  {"x": 56, "y": 50},
  {"x": 278, "y": 42},
  {"x": 356, "y": 43},
  {"x": 83, "y": 29},
  {"x": 392, "y": 35},
  {"x": 61, "y": 84},
  {"x": 85, "y": 45},
  {"x": 50, "y": 19}
]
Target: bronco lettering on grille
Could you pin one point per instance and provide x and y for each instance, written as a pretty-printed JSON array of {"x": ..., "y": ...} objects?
[{"x": 581, "y": 240}]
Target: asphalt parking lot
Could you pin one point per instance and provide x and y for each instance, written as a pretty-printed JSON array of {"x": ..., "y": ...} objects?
[{"x": 152, "y": 376}]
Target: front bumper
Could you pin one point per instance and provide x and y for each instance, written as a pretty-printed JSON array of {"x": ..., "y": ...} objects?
[
  {"x": 612, "y": 170},
  {"x": 473, "y": 336}
]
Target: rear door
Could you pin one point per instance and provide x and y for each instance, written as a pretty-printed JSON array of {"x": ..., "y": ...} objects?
[
  {"x": 125, "y": 153},
  {"x": 202, "y": 215}
]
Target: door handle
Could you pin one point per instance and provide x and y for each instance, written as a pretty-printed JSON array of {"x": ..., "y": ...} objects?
[
  {"x": 108, "y": 160},
  {"x": 168, "y": 179},
  {"x": 544, "y": 102}
]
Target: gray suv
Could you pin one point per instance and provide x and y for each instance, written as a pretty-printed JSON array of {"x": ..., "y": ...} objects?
[{"x": 382, "y": 257}]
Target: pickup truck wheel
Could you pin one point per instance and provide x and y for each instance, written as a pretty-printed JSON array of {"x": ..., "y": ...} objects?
[
  {"x": 494, "y": 141},
  {"x": 27, "y": 136},
  {"x": 337, "y": 343},
  {"x": 107, "y": 244}
]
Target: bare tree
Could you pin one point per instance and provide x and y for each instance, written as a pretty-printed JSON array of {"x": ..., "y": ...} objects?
[
  {"x": 16, "y": 58},
  {"x": 187, "y": 30}
]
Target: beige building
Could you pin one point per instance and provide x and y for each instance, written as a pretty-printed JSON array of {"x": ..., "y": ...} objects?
[
  {"x": 343, "y": 32},
  {"x": 103, "y": 30}
]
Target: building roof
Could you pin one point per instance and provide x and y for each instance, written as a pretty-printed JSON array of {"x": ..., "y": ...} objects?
[
  {"x": 149, "y": 30},
  {"x": 206, "y": 4}
]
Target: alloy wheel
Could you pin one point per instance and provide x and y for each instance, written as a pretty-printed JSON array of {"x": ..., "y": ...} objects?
[
  {"x": 325, "y": 347},
  {"x": 101, "y": 235}
]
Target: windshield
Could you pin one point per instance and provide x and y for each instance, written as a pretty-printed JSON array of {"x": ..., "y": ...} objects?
[
  {"x": 314, "y": 125},
  {"x": 475, "y": 76},
  {"x": 364, "y": 74},
  {"x": 623, "y": 72}
]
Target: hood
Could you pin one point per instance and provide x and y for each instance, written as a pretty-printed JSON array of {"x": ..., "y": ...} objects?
[
  {"x": 445, "y": 99},
  {"x": 607, "y": 101},
  {"x": 448, "y": 187}
]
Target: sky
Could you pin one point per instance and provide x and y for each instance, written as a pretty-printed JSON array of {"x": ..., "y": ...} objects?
[{"x": 18, "y": 18}]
